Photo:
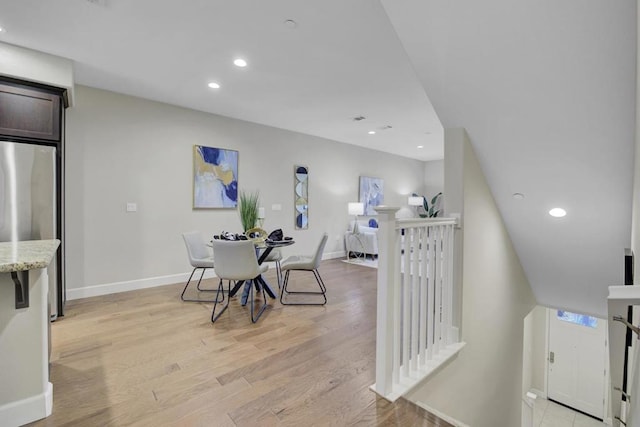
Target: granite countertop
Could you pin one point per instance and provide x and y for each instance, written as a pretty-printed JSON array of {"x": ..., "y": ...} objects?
[{"x": 26, "y": 255}]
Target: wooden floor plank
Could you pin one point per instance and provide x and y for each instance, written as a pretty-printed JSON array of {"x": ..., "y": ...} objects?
[{"x": 145, "y": 358}]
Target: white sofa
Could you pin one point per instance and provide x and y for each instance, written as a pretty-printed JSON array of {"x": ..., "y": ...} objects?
[{"x": 365, "y": 242}]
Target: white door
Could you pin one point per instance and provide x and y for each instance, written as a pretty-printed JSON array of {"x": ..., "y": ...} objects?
[{"x": 577, "y": 346}]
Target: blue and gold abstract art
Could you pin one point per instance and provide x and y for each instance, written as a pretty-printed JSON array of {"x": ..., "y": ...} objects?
[{"x": 215, "y": 177}]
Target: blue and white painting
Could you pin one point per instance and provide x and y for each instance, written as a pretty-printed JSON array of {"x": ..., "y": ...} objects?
[
  {"x": 371, "y": 193},
  {"x": 215, "y": 177}
]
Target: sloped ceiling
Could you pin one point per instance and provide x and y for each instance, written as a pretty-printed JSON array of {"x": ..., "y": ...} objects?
[
  {"x": 544, "y": 88},
  {"x": 546, "y": 92}
]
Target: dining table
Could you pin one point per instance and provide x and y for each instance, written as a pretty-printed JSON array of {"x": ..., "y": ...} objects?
[{"x": 266, "y": 247}]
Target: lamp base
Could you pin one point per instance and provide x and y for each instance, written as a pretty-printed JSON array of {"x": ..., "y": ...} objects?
[{"x": 356, "y": 228}]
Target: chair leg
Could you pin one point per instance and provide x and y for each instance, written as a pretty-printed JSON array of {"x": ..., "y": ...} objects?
[
  {"x": 255, "y": 317},
  {"x": 285, "y": 290},
  {"x": 220, "y": 291},
  {"x": 198, "y": 287},
  {"x": 279, "y": 275}
]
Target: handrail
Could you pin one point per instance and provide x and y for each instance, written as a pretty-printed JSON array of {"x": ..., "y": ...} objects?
[
  {"x": 624, "y": 321},
  {"x": 420, "y": 222},
  {"x": 627, "y": 396},
  {"x": 620, "y": 299}
]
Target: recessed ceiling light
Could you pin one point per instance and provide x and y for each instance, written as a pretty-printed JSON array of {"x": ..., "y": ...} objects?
[
  {"x": 557, "y": 212},
  {"x": 214, "y": 85},
  {"x": 518, "y": 196},
  {"x": 240, "y": 62},
  {"x": 290, "y": 23},
  {"x": 420, "y": 146},
  {"x": 372, "y": 132},
  {"x": 1, "y": 30}
]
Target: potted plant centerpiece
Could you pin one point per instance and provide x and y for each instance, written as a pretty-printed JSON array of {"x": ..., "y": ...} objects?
[{"x": 249, "y": 203}]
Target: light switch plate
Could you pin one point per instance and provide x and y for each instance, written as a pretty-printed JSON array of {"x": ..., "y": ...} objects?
[
  {"x": 276, "y": 207},
  {"x": 132, "y": 207}
]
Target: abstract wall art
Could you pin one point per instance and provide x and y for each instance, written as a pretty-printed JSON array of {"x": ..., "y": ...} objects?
[
  {"x": 371, "y": 193},
  {"x": 301, "y": 196},
  {"x": 215, "y": 178}
]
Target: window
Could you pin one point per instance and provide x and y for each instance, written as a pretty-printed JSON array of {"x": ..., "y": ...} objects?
[{"x": 578, "y": 319}]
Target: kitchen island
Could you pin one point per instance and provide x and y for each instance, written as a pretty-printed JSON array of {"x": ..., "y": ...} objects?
[{"x": 26, "y": 394}]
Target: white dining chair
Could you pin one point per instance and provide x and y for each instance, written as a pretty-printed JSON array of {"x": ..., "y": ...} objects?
[
  {"x": 200, "y": 257},
  {"x": 236, "y": 260},
  {"x": 304, "y": 263},
  {"x": 275, "y": 256}
]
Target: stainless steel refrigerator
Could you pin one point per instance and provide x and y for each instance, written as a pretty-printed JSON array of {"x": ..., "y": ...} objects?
[{"x": 29, "y": 204}]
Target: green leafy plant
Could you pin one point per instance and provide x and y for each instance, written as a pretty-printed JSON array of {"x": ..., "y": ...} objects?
[
  {"x": 430, "y": 212},
  {"x": 248, "y": 210}
]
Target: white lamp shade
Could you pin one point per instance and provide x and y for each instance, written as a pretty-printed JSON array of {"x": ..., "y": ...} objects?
[
  {"x": 416, "y": 201},
  {"x": 261, "y": 213},
  {"x": 356, "y": 208}
]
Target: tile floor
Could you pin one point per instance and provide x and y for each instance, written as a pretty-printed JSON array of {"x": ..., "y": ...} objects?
[{"x": 550, "y": 414}]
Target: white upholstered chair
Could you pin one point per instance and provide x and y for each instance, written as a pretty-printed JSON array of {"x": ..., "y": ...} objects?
[
  {"x": 236, "y": 260},
  {"x": 200, "y": 258},
  {"x": 275, "y": 256},
  {"x": 304, "y": 263}
]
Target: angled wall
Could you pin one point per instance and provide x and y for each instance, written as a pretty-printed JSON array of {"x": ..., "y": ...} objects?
[{"x": 482, "y": 387}]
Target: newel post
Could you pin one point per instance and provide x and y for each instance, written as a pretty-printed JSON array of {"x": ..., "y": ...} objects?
[{"x": 387, "y": 269}]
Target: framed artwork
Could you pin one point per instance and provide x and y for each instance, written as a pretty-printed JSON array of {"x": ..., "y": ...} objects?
[
  {"x": 215, "y": 178},
  {"x": 301, "y": 197},
  {"x": 371, "y": 193}
]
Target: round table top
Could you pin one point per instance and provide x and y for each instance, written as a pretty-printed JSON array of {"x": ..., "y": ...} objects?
[{"x": 278, "y": 243}]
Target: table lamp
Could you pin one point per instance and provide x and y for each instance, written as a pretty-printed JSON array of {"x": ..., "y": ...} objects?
[
  {"x": 356, "y": 208},
  {"x": 416, "y": 201}
]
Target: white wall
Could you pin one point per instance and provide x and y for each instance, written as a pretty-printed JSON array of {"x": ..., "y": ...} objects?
[
  {"x": 527, "y": 352},
  {"x": 482, "y": 387},
  {"x": 433, "y": 178},
  {"x": 34, "y": 66},
  {"x": 123, "y": 149}
]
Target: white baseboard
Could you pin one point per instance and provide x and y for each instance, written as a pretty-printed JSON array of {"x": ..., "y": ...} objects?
[
  {"x": 132, "y": 285},
  {"x": 334, "y": 255},
  {"x": 442, "y": 416},
  {"x": 27, "y": 410},
  {"x": 151, "y": 282}
]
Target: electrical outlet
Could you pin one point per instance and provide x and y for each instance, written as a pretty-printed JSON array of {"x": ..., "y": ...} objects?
[
  {"x": 132, "y": 207},
  {"x": 276, "y": 207}
]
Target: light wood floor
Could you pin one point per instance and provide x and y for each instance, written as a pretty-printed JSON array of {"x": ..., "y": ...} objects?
[{"x": 145, "y": 358}]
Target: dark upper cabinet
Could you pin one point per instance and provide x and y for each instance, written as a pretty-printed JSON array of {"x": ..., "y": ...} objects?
[{"x": 30, "y": 112}]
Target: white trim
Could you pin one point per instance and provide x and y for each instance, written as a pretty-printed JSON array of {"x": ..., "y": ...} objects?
[
  {"x": 406, "y": 384},
  {"x": 27, "y": 410},
  {"x": 442, "y": 416},
  {"x": 547, "y": 325},
  {"x": 152, "y": 282},
  {"x": 334, "y": 255},
  {"x": 132, "y": 285}
]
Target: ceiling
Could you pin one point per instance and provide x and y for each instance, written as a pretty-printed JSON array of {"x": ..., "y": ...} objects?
[
  {"x": 545, "y": 90},
  {"x": 342, "y": 60}
]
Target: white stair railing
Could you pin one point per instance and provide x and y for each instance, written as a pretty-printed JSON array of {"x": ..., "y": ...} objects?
[{"x": 415, "y": 331}]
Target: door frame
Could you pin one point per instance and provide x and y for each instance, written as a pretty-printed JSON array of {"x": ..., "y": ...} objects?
[{"x": 606, "y": 415}]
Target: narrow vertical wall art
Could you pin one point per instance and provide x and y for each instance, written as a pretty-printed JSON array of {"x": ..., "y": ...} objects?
[{"x": 301, "y": 196}]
